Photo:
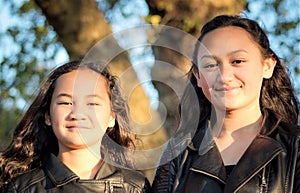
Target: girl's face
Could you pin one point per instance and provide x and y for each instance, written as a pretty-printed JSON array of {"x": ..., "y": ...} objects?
[
  {"x": 231, "y": 69},
  {"x": 80, "y": 109}
]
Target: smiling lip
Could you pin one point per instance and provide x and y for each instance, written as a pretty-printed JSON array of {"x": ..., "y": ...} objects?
[
  {"x": 226, "y": 89},
  {"x": 76, "y": 127}
]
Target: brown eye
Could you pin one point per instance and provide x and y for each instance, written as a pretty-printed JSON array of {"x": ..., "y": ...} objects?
[
  {"x": 211, "y": 67},
  {"x": 64, "y": 103},
  {"x": 237, "y": 61},
  {"x": 93, "y": 104}
]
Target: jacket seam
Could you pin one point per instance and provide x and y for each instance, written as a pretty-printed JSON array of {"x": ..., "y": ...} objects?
[
  {"x": 208, "y": 174},
  {"x": 31, "y": 184},
  {"x": 293, "y": 143}
]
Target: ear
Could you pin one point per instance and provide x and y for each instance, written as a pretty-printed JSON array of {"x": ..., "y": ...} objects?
[
  {"x": 47, "y": 119},
  {"x": 197, "y": 76},
  {"x": 112, "y": 120},
  {"x": 269, "y": 65}
]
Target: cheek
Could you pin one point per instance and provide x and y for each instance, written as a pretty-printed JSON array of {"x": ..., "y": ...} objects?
[
  {"x": 101, "y": 118},
  {"x": 58, "y": 115},
  {"x": 206, "y": 90},
  {"x": 206, "y": 84}
]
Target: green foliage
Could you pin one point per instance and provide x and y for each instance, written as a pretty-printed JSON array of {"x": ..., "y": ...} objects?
[
  {"x": 282, "y": 24},
  {"x": 31, "y": 46}
]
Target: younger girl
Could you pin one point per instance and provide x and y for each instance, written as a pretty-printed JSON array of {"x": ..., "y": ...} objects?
[{"x": 56, "y": 145}]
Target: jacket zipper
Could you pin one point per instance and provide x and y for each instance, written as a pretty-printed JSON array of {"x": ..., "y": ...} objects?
[
  {"x": 263, "y": 185},
  {"x": 111, "y": 189},
  {"x": 107, "y": 187}
]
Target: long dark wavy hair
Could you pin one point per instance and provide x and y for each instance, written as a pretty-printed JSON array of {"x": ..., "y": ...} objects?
[
  {"x": 277, "y": 93},
  {"x": 33, "y": 140}
]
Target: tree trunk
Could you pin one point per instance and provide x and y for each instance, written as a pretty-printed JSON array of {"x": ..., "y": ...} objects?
[
  {"x": 78, "y": 23},
  {"x": 82, "y": 29}
]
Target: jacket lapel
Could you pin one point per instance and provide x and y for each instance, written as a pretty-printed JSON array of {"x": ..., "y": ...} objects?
[
  {"x": 203, "y": 164},
  {"x": 58, "y": 173},
  {"x": 106, "y": 171},
  {"x": 262, "y": 150}
]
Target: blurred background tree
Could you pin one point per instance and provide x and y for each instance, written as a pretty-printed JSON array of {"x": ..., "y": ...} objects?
[{"x": 37, "y": 35}]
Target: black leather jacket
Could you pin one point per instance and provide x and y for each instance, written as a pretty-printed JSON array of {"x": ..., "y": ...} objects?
[
  {"x": 55, "y": 177},
  {"x": 270, "y": 164}
]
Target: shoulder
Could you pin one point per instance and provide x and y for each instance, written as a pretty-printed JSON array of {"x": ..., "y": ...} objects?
[
  {"x": 26, "y": 180},
  {"x": 275, "y": 124},
  {"x": 288, "y": 135},
  {"x": 289, "y": 129}
]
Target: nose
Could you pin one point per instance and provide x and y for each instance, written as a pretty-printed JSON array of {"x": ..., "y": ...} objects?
[
  {"x": 77, "y": 113},
  {"x": 226, "y": 73}
]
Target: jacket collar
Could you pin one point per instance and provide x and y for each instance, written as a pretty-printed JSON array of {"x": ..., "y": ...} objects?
[
  {"x": 203, "y": 164},
  {"x": 263, "y": 147},
  {"x": 60, "y": 174},
  {"x": 262, "y": 150},
  {"x": 106, "y": 171}
]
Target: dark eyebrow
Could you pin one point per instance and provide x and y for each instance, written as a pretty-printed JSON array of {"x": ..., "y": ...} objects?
[
  {"x": 233, "y": 52},
  {"x": 88, "y": 96},
  {"x": 240, "y": 50},
  {"x": 95, "y": 96},
  {"x": 207, "y": 56},
  {"x": 64, "y": 95}
]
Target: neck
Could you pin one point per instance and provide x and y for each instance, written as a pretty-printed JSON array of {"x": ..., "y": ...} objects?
[
  {"x": 83, "y": 162},
  {"x": 238, "y": 120}
]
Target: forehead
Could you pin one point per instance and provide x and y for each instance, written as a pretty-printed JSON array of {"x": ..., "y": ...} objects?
[
  {"x": 229, "y": 32},
  {"x": 81, "y": 81},
  {"x": 228, "y": 38}
]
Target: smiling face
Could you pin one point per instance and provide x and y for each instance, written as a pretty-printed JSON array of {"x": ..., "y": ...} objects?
[
  {"x": 80, "y": 109},
  {"x": 231, "y": 69}
]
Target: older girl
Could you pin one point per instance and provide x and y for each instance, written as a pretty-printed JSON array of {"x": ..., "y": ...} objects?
[{"x": 247, "y": 139}]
